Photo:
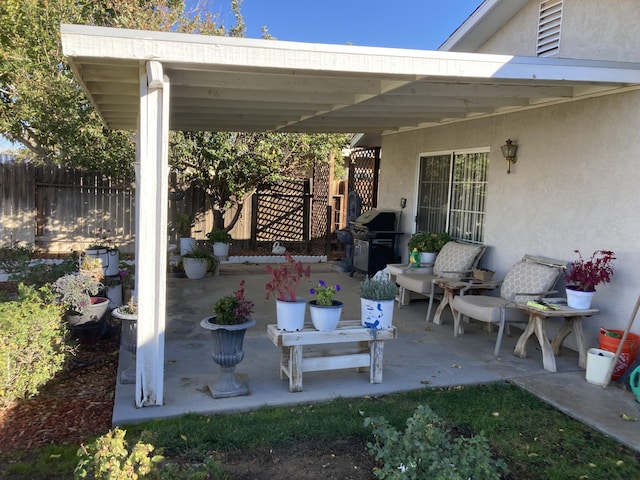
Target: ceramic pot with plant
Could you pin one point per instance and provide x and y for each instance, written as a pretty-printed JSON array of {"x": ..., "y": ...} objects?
[
  {"x": 76, "y": 293},
  {"x": 104, "y": 249},
  {"x": 197, "y": 263},
  {"x": 325, "y": 311},
  {"x": 428, "y": 244},
  {"x": 220, "y": 240},
  {"x": 128, "y": 316},
  {"x": 228, "y": 327},
  {"x": 585, "y": 274},
  {"x": 284, "y": 284},
  {"x": 377, "y": 296},
  {"x": 183, "y": 223}
]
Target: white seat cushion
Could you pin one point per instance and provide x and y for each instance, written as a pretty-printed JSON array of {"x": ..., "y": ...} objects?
[
  {"x": 486, "y": 309},
  {"x": 416, "y": 283}
]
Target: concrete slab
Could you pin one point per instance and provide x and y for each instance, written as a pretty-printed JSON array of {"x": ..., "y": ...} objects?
[{"x": 424, "y": 355}]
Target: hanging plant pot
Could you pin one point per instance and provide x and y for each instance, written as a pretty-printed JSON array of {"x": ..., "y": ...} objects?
[
  {"x": 290, "y": 315},
  {"x": 325, "y": 317},
  {"x": 579, "y": 299}
]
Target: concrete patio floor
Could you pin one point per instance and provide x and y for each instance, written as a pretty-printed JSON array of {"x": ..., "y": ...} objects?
[{"x": 423, "y": 355}]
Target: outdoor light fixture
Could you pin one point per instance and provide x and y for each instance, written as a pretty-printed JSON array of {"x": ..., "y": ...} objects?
[{"x": 509, "y": 152}]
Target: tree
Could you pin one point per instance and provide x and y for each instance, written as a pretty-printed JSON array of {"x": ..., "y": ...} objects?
[
  {"x": 42, "y": 107},
  {"x": 230, "y": 166}
]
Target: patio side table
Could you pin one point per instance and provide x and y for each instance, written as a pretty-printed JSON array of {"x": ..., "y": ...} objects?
[{"x": 572, "y": 323}]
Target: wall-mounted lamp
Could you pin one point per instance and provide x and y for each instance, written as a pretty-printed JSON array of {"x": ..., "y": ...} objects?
[{"x": 509, "y": 152}]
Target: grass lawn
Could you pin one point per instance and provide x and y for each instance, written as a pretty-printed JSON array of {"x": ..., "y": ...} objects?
[{"x": 535, "y": 440}]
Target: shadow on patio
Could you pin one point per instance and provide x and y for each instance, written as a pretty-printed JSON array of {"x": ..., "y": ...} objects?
[{"x": 423, "y": 356}]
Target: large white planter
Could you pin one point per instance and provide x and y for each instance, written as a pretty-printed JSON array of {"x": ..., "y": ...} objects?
[
  {"x": 325, "y": 317},
  {"x": 114, "y": 294},
  {"x": 99, "y": 307},
  {"x": 376, "y": 313},
  {"x": 195, "y": 268},
  {"x": 113, "y": 263},
  {"x": 101, "y": 254},
  {"x": 221, "y": 250},
  {"x": 290, "y": 315},
  {"x": 578, "y": 299},
  {"x": 187, "y": 245}
]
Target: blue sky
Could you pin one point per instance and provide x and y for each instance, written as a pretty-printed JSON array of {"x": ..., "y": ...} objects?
[{"x": 419, "y": 24}]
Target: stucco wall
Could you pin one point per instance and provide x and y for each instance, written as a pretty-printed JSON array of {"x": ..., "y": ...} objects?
[
  {"x": 575, "y": 186},
  {"x": 591, "y": 29}
]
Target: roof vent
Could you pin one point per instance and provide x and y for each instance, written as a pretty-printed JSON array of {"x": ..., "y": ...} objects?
[{"x": 549, "y": 23}]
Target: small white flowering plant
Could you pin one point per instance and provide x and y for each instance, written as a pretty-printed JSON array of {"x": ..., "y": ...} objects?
[{"x": 74, "y": 291}]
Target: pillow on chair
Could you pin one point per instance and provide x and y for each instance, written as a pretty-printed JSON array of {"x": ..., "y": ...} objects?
[
  {"x": 527, "y": 277},
  {"x": 454, "y": 259}
]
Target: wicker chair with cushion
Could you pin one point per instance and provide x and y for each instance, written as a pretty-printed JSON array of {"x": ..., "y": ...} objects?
[
  {"x": 455, "y": 260},
  {"x": 530, "y": 279}
]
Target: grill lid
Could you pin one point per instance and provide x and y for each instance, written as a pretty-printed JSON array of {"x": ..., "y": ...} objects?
[{"x": 376, "y": 220}]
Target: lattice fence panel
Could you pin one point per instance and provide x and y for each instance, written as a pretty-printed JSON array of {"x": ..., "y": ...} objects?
[
  {"x": 280, "y": 213},
  {"x": 363, "y": 176},
  {"x": 319, "y": 204}
]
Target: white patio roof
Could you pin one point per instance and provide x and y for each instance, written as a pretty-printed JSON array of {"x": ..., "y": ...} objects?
[{"x": 239, "y": 84}]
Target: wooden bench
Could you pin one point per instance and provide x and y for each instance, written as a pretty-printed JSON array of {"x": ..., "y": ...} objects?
[{"x": 294, "y": 361}]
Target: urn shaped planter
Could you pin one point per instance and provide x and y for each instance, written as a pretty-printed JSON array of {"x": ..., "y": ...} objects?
[
  {"x": 129, "y": 341},
  {"x": 227, "y": 353}
]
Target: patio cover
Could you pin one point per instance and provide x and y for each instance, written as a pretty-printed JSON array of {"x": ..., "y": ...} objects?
[{"x": 154, "y": 81}]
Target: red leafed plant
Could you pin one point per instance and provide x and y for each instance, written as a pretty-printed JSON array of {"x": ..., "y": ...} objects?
[
  {"x": 584, "y": 274},
  {"x": 285, "y": 279}
]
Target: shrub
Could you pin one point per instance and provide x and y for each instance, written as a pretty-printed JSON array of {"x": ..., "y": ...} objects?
[
  {"x": 31, "y": 343},
  {"x": 428, "y": 449},
  {"x": 373, "y": 288},
  {"x": 15, "y": 257},
  {"x": 109, "y": 457}
]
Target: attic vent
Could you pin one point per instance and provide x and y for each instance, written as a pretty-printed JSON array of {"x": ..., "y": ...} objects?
[{"x": 549, "y": 23}]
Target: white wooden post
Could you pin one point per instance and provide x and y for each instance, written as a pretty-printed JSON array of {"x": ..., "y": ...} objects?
[{"x": 151, "y": 232}]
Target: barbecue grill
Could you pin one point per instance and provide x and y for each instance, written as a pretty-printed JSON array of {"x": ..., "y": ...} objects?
[{"x": 374, "y": 240}]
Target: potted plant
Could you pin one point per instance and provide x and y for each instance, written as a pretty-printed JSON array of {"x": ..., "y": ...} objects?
[
  {"x": 198, "y": 262},
  {"x": 128, "y": 316},
  {"x": 428, "y": 244},
  {"x": 325, "y": 311},
  {"x": 84, "y": 313},
  {"x": 585, "y": 274},
  {"x": 228, "y": 326},
  {"x": 220, "y": 239},
  {"x": 377, "y": 296},
  {"x": 104, "y": 248},
  {"x": 284, "y": 283},
  {"x": 183, "y": 223}
]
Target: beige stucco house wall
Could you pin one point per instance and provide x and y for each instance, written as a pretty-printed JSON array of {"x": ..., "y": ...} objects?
[{"x": 576, "y": 183}]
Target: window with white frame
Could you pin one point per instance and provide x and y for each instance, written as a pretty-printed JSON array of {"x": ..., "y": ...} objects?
[{"x": 452, "y": 194}]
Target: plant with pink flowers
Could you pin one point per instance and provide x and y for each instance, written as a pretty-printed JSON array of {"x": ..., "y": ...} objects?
[
  {"x": 285, "y": 279},
  {"x": 586, "y": 274}
]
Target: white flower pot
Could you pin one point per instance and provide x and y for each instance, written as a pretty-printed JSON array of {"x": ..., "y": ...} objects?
[
  {"x": 427, "y": 258},
  {"x": 99, "y": 253},
  {"x": 578, "y": 299},
  {"x": 113, "y": 263},
  {"x": 325, "y": 318},
  {"x": 195, "y": 268},
  {"x": 187, "y": 245},
  {"x": 290, "y": 315},
  {"x": 221, "y": 250},
  {"x": 378, "y": 313}
]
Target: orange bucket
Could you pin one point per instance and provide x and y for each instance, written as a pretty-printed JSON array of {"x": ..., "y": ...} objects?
[{"x": 610, "y": 340}]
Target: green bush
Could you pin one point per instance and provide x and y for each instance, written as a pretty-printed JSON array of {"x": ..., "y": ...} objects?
[
  {"x": 108, "y": 457},
  {"x": 32, "y": 350},
  {"x": 15, "y": 257},
  {"x": 428, "y": 449}
]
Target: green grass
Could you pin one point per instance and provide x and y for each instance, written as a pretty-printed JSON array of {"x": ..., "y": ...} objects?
[{"x": 534, "y": 439}]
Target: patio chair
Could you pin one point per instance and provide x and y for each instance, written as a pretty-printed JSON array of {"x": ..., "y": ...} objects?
[
  {"x": 455, "y": 260},
  {"x": 530, "y": 279}
]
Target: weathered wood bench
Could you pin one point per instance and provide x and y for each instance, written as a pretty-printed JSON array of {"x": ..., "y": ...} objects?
[{"x": 294, "y": 361}]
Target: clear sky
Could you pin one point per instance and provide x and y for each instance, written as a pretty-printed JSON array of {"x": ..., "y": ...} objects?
[{"x": 419, "y": 24}]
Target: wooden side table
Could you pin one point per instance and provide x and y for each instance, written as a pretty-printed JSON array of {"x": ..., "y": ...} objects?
[
  {"x": 451, "y": 288},
  {"x": 294, "y": 361},
  {"x": 572, "y": 323}
]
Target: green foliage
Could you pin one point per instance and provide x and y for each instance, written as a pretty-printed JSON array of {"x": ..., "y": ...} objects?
[
  {"x": 428, "y": 241},
  {"x": 198, "y": 253},
  {"x": 218, "y": 235},
  {"x": 15, "y": 257},
  {"x": 109, "y": 458},
  {"x": 229, "y": 166},
  {"x": 233, "y": 309},
  {"x": 31, "y": 343},
  {"x": 377, "y": 289},
  {"x": 183, "y": 223},
  {"x": 428, "y": 449},
  {"x": 41, "y": 273}
]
